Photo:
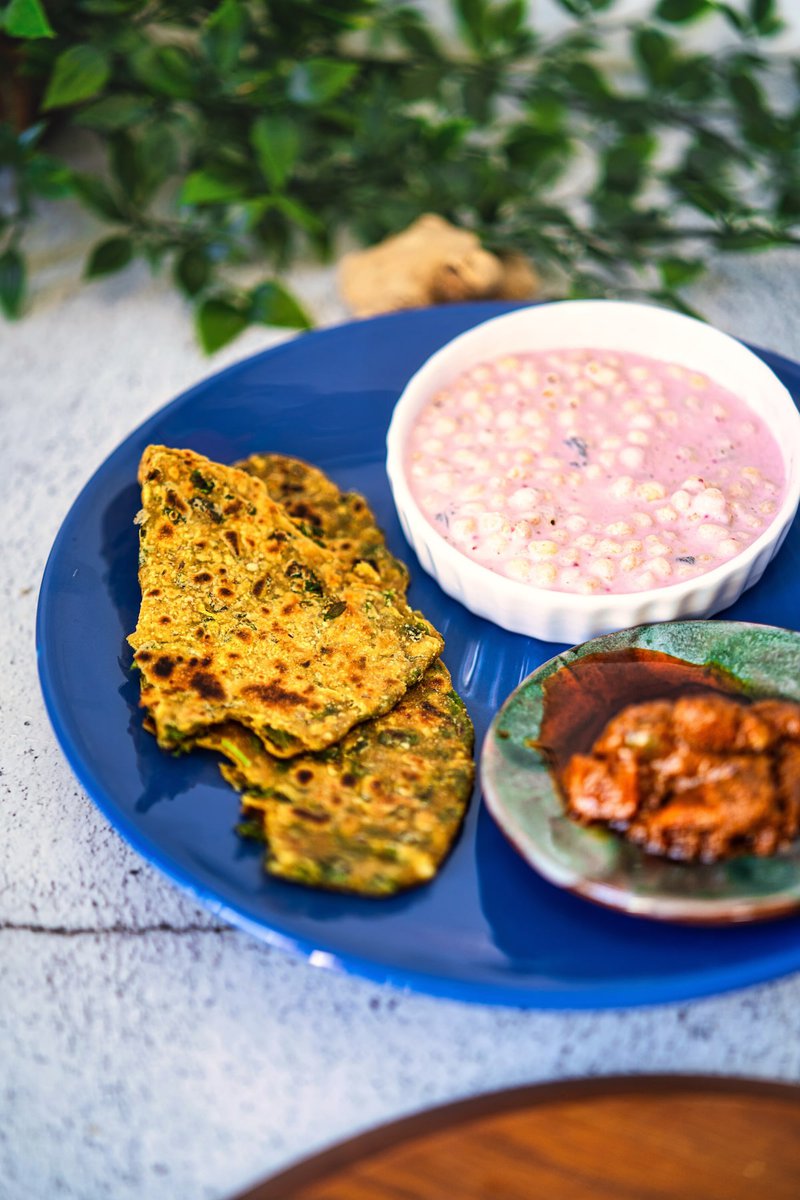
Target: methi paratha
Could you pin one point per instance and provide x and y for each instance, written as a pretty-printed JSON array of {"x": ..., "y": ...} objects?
[
  {"x": 378, "y": 811},
  {"x": 343, "y": 520},
  {"x": 373, "y": 814},
  {"x": 244, "y": 617}
]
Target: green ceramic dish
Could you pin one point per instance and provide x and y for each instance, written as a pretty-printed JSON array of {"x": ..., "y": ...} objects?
[{"x": 575, "y": 694}]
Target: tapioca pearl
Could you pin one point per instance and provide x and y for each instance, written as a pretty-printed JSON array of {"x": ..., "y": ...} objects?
[
  {"x": 637, "y": 437},
  {"x": 497, "y": 544},
  {"x": 546, "y": 548},
  {"x": 738, "y": 490},
  {"x": 744, "y": 517},
  {"x": 569, "y": 578},
  {"x": 471, "y": 491},
  {"x": 639, "y": 373},
  {"x": 603, "y": 568},
  {"x": 668, "y": 418},
  {"x": 693, "y": 402},
  {"x": 697, "y": 381},
  {"x": 660, "y": 567},
  {"x": 543, "y": 574},
  {"x": 443, "y": 481},
  {"x": 444, "y": 426},
  {"x": 751, "y": 474},
  {"x": 580, "y": 385},
  {"x": 728, "y": 547},
  {"x": 473, "y": 508},
  {"x": 630, "y": 562},
  {"x": 506, "y": 419},
  {"x": 622, "y": 487},
  {"x": 642, "y": 421},
  {"x": 608, "y": 548},
  {"x": 666, "y": 515},
  {"x": 549, "y": 463},
  {"x": 711, "y": 533},
  {"x": 655, "y": 546},
  {"x": 611, "y": 443},
  {"x": 523, "y": 456},
  {"x": 769, "y": 488},
  {"x": 492, "y": 522},
  {"x": 632, "y": 546},
  {"x": 631, "y": 407},
  {"x": 681, "y": 500},
  {"x": 574, "y": 479},
  {"x": 419, "y": 470},
  {"x": 642, "y": 520},
  {"x": 585, "y": 541},
  {"x": 593, "y": 472},
  {"x": 466, "y": 458},
  {"x": 719, "y": 411},
  {"x": 712, "y": 504},
  {"x": 693, "y": 484},
  {"x": 589, "y": 587},
  {"x": 606, "y": 458},
  {"x": 462, "y": 529},
  {"x": 632, "y": 457},
  {"x": 519, "y": 569},
  {"x": 651, "y": 490},
  {"x": 766, "y": 507},
  {"x": 524, "y": 498},
  {"x": 658, "y": 400},
  {"x": 532, "y": 418},
  {"x": 605, "y": 376},
  {"x": 576, "y": 523},
  {"x": 685, "y": 570},
  {"x": 528, "y": 377},
  {"x": 619, "y": 529}
]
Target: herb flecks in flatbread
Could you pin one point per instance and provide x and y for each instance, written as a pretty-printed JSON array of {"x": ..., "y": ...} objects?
[
  {"x": 246, "y": 618},
  {"x": 373, "y": 814},
  {"x": 342, "y": 521}
]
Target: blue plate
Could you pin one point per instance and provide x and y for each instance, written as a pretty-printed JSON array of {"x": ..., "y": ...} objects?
[{"x": 488, "y": 928}]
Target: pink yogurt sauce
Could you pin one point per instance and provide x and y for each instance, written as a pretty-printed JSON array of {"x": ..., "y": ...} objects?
[{"x": 593, "y": 471}]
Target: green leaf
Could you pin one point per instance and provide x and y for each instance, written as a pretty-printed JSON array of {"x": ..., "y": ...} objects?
[
  {"x": 677, "y": 272},
  {"x": 224, "y": 34},
  {"x": 78, "y": 74},
  {"x": 165, "y": 69},
  {"x": 96, "y": 196},
  {"x": 48, "y": 177},
  {"x": 12, "y": 282},
  {"x": 271, "y": 304},
  {"x": 114, "y": 112},
  {"x": 207, "y": 187},
  {"x": 109, "y": 256},
  {"x": 319, "y": 80},
  {"x": 655, "y": 52},
  {"x": 682, "y": 10},
  {"x": 472, "y": 15},
  {"x": 276, "y": 142},
  {"x": 27, "y": 19},
  {"x": 192, "y": 270},
  {"x": 219, "y": 321},
  {"x": 125, "y": 165}
]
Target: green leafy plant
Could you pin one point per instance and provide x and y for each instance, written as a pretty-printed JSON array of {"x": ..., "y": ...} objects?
[{"x": 252, "y": 132}]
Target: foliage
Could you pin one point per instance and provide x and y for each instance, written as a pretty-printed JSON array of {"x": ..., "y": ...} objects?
[{"x": 253, "y": 131}]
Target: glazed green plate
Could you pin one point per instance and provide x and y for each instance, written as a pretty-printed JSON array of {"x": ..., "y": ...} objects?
[{"x": 573, "y": 696}]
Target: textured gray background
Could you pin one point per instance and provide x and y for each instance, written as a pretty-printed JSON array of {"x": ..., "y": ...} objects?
[{"x": 145, "y": 1051}]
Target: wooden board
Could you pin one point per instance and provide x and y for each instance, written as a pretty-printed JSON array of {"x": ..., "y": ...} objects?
[{"x": 631, "y": 1138}]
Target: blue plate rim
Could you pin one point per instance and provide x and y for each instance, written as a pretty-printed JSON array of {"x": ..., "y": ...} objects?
[{"x": 681, "y": 986}]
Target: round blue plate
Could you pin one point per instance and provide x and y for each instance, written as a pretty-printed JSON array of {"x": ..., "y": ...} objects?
[{"x": 488, "y": 928}]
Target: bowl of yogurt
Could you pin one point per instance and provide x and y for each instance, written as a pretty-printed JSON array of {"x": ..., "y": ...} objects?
[{"x": 574, "y": 468}]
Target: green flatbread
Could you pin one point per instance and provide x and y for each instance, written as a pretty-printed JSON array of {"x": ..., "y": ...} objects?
[
  {"x": 378, "y": 811},
  {"x": 244, "y": 618}
]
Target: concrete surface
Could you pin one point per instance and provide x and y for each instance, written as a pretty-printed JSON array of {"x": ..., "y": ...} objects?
[{"x": 146, "y": 1051}]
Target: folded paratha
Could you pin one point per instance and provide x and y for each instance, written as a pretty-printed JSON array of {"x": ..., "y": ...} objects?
[
  {"x": 246, "y": 618},
  {"x": 378, "y": 811},
  {"x": 374, "y": 813}
]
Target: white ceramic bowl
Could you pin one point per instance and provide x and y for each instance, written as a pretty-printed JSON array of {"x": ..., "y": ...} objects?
[{"x": 597, "y": 324}]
